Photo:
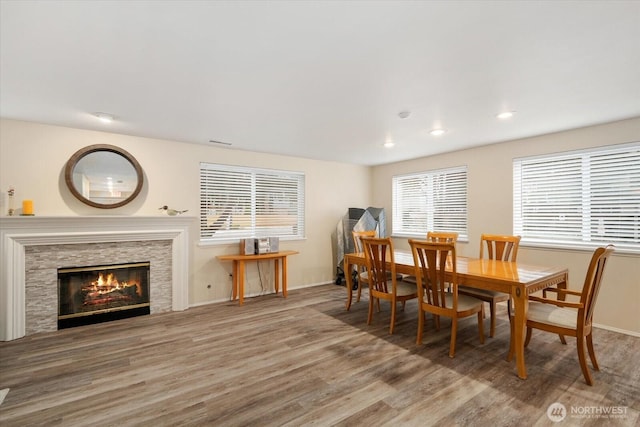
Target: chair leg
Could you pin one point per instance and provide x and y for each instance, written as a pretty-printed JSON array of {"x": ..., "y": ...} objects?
[
  {"x": 492, "y": 309},
  {"x": 481, "y": 327},
  {"x": 583, "y": 361},
  {"x": 359, "y": 289},
  {"x": 393, "y": 316},
  {"x": 592, "y": 353},
  {"x": 528, "y": 337},
  {"x": 421, "y": 315},
  {"x": 371, "y": 302},
  {"x": 562, "y": 340},
  {"x": 454, "y": 333}
]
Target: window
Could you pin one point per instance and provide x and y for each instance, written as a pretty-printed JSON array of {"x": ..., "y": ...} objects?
[
  {"x": 239, "y": 202},
  {"x": 430, "y": 201},
  {"x": 579, "y": 199}
]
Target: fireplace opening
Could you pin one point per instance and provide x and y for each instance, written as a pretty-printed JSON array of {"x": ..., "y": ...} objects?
[{"x": 95, "y": 294}]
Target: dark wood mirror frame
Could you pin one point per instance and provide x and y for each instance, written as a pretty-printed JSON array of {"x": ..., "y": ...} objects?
[{"x": 82, "y": 153}]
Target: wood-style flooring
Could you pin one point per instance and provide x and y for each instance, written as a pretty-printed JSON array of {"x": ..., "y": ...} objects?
[{"x": 305, "y": 360}]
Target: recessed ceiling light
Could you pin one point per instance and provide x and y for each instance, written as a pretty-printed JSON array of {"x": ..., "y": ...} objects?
[
  {"x": 437, "y": 132},
  {"x": 506, "y": 115},
  {"x": 104, "y": 117},
  {"x": 404, "y": 114},
  {"x": 389, "y": 144}
]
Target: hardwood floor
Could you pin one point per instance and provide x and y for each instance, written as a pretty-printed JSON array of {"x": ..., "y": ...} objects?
[{"x": 300, "y": 361}]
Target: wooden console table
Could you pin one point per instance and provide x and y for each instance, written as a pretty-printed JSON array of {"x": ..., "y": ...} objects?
[{"x": 239, "y": 270}]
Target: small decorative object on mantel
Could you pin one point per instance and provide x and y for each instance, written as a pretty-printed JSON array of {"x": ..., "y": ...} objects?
[
  {"x": 27, "y": 208},
  {"x": 171, "y": 212},
  {"x": 11, "y": 193}
]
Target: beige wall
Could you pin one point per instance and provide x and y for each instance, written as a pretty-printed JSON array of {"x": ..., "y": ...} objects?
[
  {"x": 490, "y": 170},
  {"x": 33, "y": 156},
  {"x": 32, "y": 159}
]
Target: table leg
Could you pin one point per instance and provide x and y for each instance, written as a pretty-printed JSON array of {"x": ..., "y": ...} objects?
[
  {"x": 284, "y": 276},
  {"x": 234, "y": 281},
  {"x": 347, "y": 278},
  {"x": 276, "y": 275},
  {"x": 241, "y": 282},
  {"x": 521, "y": 303}
]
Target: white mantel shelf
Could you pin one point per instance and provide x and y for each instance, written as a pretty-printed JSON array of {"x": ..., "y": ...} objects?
[{"x": 18, "y": 232}]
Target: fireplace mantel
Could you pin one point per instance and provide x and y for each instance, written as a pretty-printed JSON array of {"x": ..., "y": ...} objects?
[{"x": 18, "y": 232}]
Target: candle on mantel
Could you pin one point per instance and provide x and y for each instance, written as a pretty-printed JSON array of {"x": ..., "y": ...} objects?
[{"x": 27, "y": 207}]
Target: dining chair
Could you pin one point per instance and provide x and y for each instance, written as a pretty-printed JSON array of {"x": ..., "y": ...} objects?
[
  {"x": 437, "y": 293},
  {"x": 498, "y": 247},
  {"x": 435, "y": 236},
  {"x": 382, "y": 277},
  {"x": 567, "y": 318},
  {"x": 360, "y": 269}
]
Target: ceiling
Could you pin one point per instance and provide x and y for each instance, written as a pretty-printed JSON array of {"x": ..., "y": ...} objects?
[{"x": 322, "y": 79}]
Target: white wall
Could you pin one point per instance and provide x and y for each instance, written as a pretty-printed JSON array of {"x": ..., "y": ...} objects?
[
  {"x": 33, "y": 156},
  {"x": 490, "y": 171}
]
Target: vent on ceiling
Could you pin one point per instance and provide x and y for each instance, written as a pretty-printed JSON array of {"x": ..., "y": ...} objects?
[{"x": 219, "y": 142}]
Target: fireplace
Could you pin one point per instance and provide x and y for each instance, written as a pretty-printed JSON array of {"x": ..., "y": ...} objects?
[
  {"x": 96, "y": 294},
  {"x": 32, "y": 249}
]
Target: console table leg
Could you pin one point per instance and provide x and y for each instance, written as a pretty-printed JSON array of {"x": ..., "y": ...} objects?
[
  {"x": 276, "y": 274},
  {"x": 284, "y": 276},
  {"x": 241, "y": 281}
]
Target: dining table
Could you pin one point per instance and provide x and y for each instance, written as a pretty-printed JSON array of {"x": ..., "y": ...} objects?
[{"x": 511, "y": 277}]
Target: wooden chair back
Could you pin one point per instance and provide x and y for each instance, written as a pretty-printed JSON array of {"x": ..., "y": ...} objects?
[
  {"x": 442, "y": 236},
  {"x": 499, "y": 247},
  {"x": 431, "y": 260},
  {"x": 357, "y": 239},
  {"x": 592, "y": 282},
  {"x": 381, "y": 268},
  {"x": 435, "y": 236}
]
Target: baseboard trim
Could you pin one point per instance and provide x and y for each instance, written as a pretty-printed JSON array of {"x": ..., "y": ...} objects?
[
  {"x": 310, "y": 285},
  {"x": 612, "y": 329}
]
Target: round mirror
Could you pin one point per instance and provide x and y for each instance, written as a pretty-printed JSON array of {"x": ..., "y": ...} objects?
[{"x": 103, "y": 176}]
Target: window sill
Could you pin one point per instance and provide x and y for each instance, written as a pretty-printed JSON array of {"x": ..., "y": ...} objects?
[{"x": 622, "y": 250}]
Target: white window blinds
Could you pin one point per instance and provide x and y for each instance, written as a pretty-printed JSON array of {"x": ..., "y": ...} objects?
[
  {"x": 238, "y": 202},
  {"x": 430, "y": 201},
  {"x": 579, "y": 199}
]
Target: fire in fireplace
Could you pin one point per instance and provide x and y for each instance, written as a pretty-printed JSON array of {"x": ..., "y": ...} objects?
[{"x": 101, "y": 293}]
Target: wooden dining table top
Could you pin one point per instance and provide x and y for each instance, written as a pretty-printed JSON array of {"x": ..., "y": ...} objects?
[{"x": 495, "y": 274}]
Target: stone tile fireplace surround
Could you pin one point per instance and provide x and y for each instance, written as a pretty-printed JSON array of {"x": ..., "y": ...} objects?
[{"x": 33, "y": 248}]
